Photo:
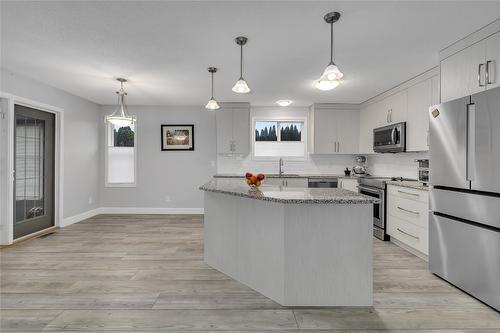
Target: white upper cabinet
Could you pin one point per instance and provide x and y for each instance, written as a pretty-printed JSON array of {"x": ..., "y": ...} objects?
[
  {"x": 347, "y": 132},
  {"x": 462, "y": 74},
  {"x": 417, "y": 125},
  {"x": 395, "y": 107},
  {"x": 233, "y": 129},
  {"x": 335, "y": 131},
  {"x": 471, "y": 70}
]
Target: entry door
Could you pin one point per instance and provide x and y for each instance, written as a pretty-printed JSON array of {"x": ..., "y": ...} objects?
[{"x": 34, "y": 170}]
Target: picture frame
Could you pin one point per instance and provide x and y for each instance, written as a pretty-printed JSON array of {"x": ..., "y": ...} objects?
[{"x": 177, "y": 137}]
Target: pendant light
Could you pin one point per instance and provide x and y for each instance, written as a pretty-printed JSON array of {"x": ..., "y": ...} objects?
[
  {"x": 331, "y": 76},
  {"x": 121, "y": 117},
  {"x": 241, "y": 86},
  {"x": 212, "y": 103}
]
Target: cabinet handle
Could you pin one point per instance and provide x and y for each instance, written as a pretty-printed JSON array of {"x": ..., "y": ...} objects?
[
  {"x": 338, "y": 146},
  {"x": 428, "y": 145},
  {"x": 408, "y": 211},
  {"x": 479, "y": 75},
  {"x": 387, "y": 116},
  {"x": 404, "y": 232},
  {"x": 488, "y": 74},
  {"x": 414, "y": 194}
]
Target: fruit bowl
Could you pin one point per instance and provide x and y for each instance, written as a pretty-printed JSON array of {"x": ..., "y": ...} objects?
[{"x": 254, "y": 181}]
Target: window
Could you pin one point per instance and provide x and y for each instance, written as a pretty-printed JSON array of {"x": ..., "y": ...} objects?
[
  {"x": 279, "y": 138},
  {"x": 120, "y": 155}
]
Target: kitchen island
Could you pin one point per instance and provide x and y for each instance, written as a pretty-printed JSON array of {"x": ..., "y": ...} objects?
[{"x": 297, "y": 246}]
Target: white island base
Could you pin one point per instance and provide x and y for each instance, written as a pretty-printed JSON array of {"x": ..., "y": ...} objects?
[{"x": 295, "y": 254}]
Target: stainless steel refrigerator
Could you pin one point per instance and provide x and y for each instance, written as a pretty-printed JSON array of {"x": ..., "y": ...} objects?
[{"x": 464, "y": 223}]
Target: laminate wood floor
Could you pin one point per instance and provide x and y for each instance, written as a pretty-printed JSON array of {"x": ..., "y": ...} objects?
[{"x": 145, "y": 273}]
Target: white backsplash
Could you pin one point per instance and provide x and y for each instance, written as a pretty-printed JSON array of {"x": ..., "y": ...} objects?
[
  {"x": 395, "y": 165},
  {"x": 315, "y": 164},
  {"x": 391, "y": 165}
]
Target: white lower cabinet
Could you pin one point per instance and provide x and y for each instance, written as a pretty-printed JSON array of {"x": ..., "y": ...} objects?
[
  {"x": 287, "y": 181},
  {"x": 408, "y": 217},
  {"x": 349, "y": 184}
]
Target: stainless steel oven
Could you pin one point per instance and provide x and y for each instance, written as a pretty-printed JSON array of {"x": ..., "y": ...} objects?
[
  {"x": 390, "y": 139},
  {"x": 378, "y": 209}
]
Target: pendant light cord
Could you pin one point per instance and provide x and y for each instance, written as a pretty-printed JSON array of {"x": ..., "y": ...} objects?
[
  {"x": 212, "y": 85},
  {"x": 331, "y": 42},
  {"x": 241, "y": 61}
]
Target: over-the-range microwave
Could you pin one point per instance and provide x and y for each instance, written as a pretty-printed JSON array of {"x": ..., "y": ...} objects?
[{"x": 390, "y": 138}]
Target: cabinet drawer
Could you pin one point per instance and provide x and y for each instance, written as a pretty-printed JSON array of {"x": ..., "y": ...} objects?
[
  {"x": 408, "y": 193},
  {"x": 415, "y": 212},
  {"x": 409, "y": 234}
]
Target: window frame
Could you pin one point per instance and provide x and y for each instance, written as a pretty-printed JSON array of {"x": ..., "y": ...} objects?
[
  {"x": 304, "y": 137},
  {"x": 107, "y": 133}
]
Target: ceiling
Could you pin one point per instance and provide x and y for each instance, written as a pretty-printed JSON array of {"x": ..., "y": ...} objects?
[{"x": 164, "y": 48}]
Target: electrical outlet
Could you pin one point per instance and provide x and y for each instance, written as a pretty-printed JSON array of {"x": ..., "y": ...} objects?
[{"x": 167, "y": 198}]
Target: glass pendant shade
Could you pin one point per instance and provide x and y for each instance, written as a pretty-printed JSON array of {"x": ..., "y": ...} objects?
[
  {"x": 331, "y": 77},
  {"x": 212, "y": 104},
  {"x": 121, "y": 117},
  {"x": 324, "y": 84},
  {"x": 241, "y": 86},
  {"x": 332, "y": 72}
]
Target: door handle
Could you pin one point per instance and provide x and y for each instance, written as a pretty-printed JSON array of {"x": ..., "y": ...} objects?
[
  {"x": 404, "y": 232},
  {"x": 471, "y": 142},
  {"x": 393, "y": 136},
  {"x": 414, "y": 194},
  {"x": 408, "y": 211},
  {"x": 489, "y": 75},
  {"x": 479, "y": 75}
]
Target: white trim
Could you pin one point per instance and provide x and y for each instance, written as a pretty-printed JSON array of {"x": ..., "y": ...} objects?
[
  {"x": 8, "y": 225},
  {"x": 402, "y": 245},
  {"x": 149, "y": 210},
  {"x": 79, "y": 217},
  {"x": 471, "y": 39},
  {"x": 128, "y": 210},
  {"x": 402, "y": 86}
]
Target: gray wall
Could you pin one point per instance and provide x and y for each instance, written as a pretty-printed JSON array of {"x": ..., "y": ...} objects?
[
  {"x": 81, "y": 139},
  {"x": 162, "y": 174}
]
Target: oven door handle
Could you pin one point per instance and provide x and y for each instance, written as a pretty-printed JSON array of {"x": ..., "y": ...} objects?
[{"x": 371, "y": 190}]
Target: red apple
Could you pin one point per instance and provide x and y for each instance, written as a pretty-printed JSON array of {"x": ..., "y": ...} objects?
[
  {"x": 261, "y": 176},
  {"x": 248, "y": 175}
]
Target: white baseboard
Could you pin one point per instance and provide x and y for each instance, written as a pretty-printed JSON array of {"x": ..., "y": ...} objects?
[
  {"x": 149, "y": 210},
  {"x": 127, "y": 210},
  {"x": 410, "y": 249},
  {"x": 79, "y": 217}
]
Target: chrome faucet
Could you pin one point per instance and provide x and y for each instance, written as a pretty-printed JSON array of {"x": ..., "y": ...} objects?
[{"x": 280, "y": 166}]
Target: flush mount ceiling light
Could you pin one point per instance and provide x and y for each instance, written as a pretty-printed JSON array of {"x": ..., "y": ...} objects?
[
  {"x": 331, "y": 76},
  {"x": 121, "y": 117},
  {"x": 284, "y": 102},
  {"x": 241, "y": 86},
  {"x": 212, "y": 103}
]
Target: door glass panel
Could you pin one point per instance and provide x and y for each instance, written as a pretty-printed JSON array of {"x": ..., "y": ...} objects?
[
  {"x": 29, "y": 184},
  {"x": 383, "y": 137}
]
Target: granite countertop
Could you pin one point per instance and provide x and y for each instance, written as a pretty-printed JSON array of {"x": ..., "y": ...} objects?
[
  {"x": 288, "y": 195},
  {"x": 410, "y": 184},
  {"x": 285, "y": 175}
]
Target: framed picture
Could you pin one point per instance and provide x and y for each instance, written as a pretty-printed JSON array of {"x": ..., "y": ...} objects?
[{"x": 177, "y": 137}]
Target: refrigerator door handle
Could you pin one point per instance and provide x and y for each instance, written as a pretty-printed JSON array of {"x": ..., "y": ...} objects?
[{"x": 471, "y": 141}]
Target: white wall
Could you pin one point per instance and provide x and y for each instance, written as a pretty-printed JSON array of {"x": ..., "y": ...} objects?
[
  {"x": 81, "y": 141},
  {"x": 176, "y": 175}
]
